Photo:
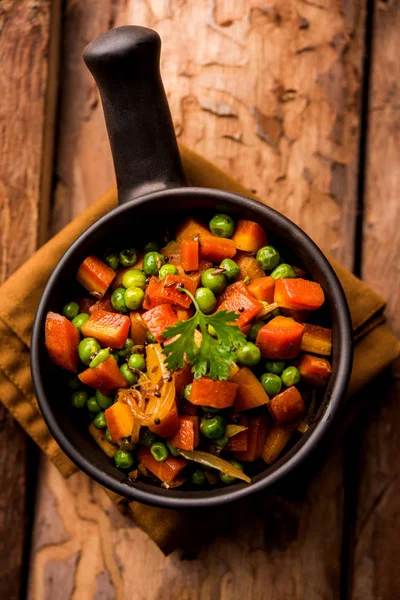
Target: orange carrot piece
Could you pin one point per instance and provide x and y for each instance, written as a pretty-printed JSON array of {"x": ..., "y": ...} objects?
[
  {"x": 62, "y": 339},
  {"x": 182, "y": 378},
  {"x": 280, "y": 338},
  {"x": 298, "y": 315},
  {"x": 317, "y": 340},
  {"x": 190, "y": 228},
  {"x": 184, "y": 314},
  {"x": 250, "y": 393},
  {"x": 169, "y": 293},
  {"x": 158, "y": 319},
  {"x": 262, "y": 288},
  {"x": 165, "y": 470},
  {"x": 218, "y": 394},
  {"x": 256, "y": 435},
  {"x": 85, "y": 304},
  {"x": 190, "y": 255},
  {"x": 106, "y": 377},
  {"x": 314, "y": 369},
  {"x": 276, "y": 440},
  {"x": 168, "y": 425},
  {"x": 196, "y": 275},
  {"x": 120, "y": 420},
  {"x": 95, "y": 276},
  {"x": 110, "y": 329},
  {"x": 298, "y": 294},
  {"x": 187, "y": 437},
  {"x": 103, "y": 304},
  {"x": 243, "y": 304},
  {"x": 287, "y": 406},
  {"x": 238, "y": 442},
  {"x": 172, "y": 254},
  {"x": 216, "y": 248},
  {"x": 151, "y": 297},
  {"x": 138, "y": 327},
  {"x": 249, "y": 236},
  {"x": 248, "y": 266}
]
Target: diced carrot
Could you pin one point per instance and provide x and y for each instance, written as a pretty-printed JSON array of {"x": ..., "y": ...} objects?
[
  {"x": 165, "y": 470},
  {"x": 151, "y": 297},
  {"x": 250, "y": 393},
  {"x": 196, "y": 275},
  {"x": 169, "y": 292},
  {"x": 248, "y": 266},
  {"x": 118, "y": 277},
  {"x": 262, "y": 288},
  {"x": 298, "y": 294},
  {"x": 314, "y": 369},
  {"x": 243, "y": 304},
  {"x": 218, "y": 394},
  {"x": 158, "y": 319},
  {"x": 187, "y": 437},
  {"x": 120, "y": 420},
  {"x": 280, "y": 338},
  {"x": 317, "y": 340},
  {"x": 238, "y": 442},
  {"x": 187, "y": 408},
  {"x": 249, "y": 236},
  {"x": 277, "y": 438},
  {"x": 298, "y": 315},
  {"x": 95, "y": 276},
  {"x": 85, "y": 304},
  {"x": 110, "y": 329},
  {"x": 216, "y": 248},
  {"x": 103, "y": 304},
  {"x": 106, "y": 377},
  {"x": 256, "y": 434},
  {"x": 62, "y": 339},
  {"x": 138, "y": 327},
  {"x": 172, "y": 254},
  {"x": 168, "y": 425},
  {"x": 182, "y": 378},
  {"x": 231, "y": 289},
  {"x": 190, "y": 228},
  {"x": 190, "y": 255},
  {"x": 184, "y": 314},
  {"x": 287, "y": 406}
]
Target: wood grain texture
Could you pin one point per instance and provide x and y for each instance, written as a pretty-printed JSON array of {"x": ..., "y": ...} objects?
[
  {"x": 377, "y": 544},
  {"x": 25, "y": 143}
]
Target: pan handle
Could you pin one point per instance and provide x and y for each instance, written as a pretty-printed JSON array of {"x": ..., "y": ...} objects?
[{"x": 125, "y": 63}]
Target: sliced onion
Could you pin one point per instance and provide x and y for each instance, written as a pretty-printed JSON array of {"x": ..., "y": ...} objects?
[
  {"x": 267, "y": 309},
  {"x": 215, "y": 462},
  {"x": 232, "y": 430}
]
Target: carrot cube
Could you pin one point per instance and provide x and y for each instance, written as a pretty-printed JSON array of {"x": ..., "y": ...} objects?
[
  {"x": 276, "y": 440},
  {"x": 256, "y": 435},
  {"x": 138, "y": 327},
  {"x": 298, "y": 315},
  {"x": 95, "y": 276},
  {"x": 110, "y": 329},
  {"x": 103, "y": 304},
  {"x": 85, "y": 304},
  {"x": 216, "y": 248},
  {"x": 190, "y": 228},
  {"x": 287, "y": 406},
  {"x": 106, "y": 377},
  {"x": 262, "y": 288},
  {"x": 238, "y": 442},
  {"x": 190, "y": 255},
  {"x": 314, "y": 369},
  {"x": 298, "y": 294},
  {"x": 151, "y": 297},
  {"x": 317, "y": 339},
  {"x": 182, "y": 378},
  {"x": 249, "y": 236},
  {"x": 168, "y": 425},
  {"x": 250, "y": 393},
  {"x": 169, "y": 292},
  {"x": 172, "y": 254},
  {"x": 166, "y": 470},
  {"x": 62, "y": 339},
  {"x": 158, "y": 319},
  {"x": 280, "y": 338},
  {"x": 248, "y": 266},
  {"x": 196, "y": 275},
  {"x": 218, "y": 394},
  {"x": 120, "y": 420},
  {"x": 243, "y": 304},
  {"x": 187, "y": 437}
]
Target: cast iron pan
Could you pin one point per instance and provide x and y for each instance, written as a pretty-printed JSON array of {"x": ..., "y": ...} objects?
[{"x": 154, "y": 194}]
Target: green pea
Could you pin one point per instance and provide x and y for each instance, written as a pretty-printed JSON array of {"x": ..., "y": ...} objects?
[
  {"x": 254, "y": 329},
  {"x": 198, "y": 477},
  {"x": 186, "y": 391},
  {"x": 108, "y": 436},
  {"x": 228, "y": 479},
  {"x": 290, "y": 376},
  {"x": 136, "y": 361},
  {"x": 210, "y": 409},
  {"x": 275, "y": 366},
  {"x": 104, "y": 401},
  {"x": 100, "y": 357},
  {"x": 130, "y": 377},
  {"x": 172, "y": 450},
  {"x": 167, "y": 270},
  {"x": 70, "y": 310},
  {"x": 123, "y": 460},
  {"x": 128, "y": 257},
  {"x": 232, "y": 269},
  {"x": 134, "y": 297},
  {"x": 79, "y": 399},
  {"x": 159, "y": 451},
  {"x": 80, "y": 320},
  {"x": 213, "y": 428},
  {"x": 151, "y": 247},
  {"x": 134, "y": 278},
  {"x": 100, "y": 420},
  {"x": 152, "y": 263},
  {"x": 222, "y": 441},
  {"x": 147, "y": 437},
  {"x": 112, "y": 260},
  {"x": 216, "y": 283},
  {"x": 126, "y": 348},
  {"x": 283, "y": 271},
  {"x": 271, "y": 383},
  {"x": 268, "y": 258},
  {"x": 150, "y": 337},
  {"x": 92, "y": 406},
  {"x": 87, "y": 349},
  {"x": 73, "y": 382},
  {"x": 248, "y": 354},
  {"x": 205, "y": 300},
  {"x": 212, "y": 331},
  {"x": 118, "y": 300},
  {"x": 222, "y": 226}
]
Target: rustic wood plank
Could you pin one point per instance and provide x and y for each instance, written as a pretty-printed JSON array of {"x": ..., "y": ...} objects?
[
  {"x": 25, "y": 144},
  {"x": 269, "y": 93},
  {"x": 375, "y": 571}
]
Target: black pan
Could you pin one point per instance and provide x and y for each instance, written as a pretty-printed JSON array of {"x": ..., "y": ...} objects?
[{"x": 154, "y": 194}]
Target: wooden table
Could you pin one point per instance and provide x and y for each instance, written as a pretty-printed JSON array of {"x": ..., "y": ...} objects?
[{"x": 299, "y": 100}]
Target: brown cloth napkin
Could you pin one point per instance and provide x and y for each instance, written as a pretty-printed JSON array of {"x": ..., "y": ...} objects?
[{"x": 375, "y": 349}]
